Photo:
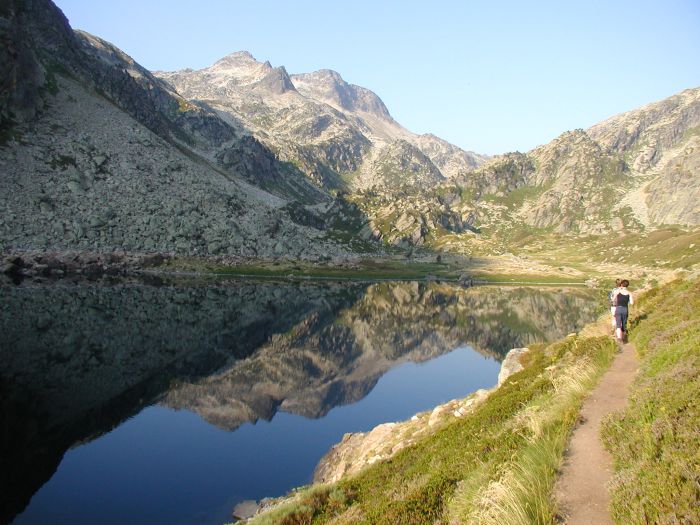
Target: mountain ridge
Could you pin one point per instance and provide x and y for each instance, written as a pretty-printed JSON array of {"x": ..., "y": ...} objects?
[
  {"x": 328, "y": 111},
  {"x": 249, "y": 161}
]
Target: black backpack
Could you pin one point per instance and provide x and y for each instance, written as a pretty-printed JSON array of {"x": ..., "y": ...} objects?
[{"x": 622, "y": 300}]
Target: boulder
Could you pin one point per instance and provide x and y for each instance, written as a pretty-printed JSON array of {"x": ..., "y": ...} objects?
[
  {"x": 511, "y": 364},
  {"x": 245, "y": 509}
]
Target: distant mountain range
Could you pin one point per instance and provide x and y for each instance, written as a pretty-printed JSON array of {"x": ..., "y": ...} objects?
[{"x": 244, "y": 159}]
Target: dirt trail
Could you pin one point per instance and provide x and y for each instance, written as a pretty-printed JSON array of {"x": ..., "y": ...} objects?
[{"x": 581, "y": 491}]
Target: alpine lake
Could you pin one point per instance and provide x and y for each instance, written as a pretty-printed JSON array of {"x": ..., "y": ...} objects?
[{"x": 170, "y": 401}]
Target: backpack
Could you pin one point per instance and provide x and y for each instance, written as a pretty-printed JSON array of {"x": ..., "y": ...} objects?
[{"x": 622, "y": 299}]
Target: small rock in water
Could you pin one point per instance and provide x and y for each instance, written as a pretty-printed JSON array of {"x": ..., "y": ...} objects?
[{"x": 245, "y": 509}]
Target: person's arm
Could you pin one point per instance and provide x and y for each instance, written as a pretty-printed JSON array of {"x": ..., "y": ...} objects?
[{"x": 631, "y": 299}]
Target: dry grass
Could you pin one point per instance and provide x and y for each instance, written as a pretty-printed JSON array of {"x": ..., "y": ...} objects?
[{"x": 523, "y": 493}]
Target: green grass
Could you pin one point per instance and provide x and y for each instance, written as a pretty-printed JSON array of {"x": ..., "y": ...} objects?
[
  {"x": 366, "y": 269},
  {"x": 511, "y": 444},
  {"x": 656, "y": 442},
  {"x": 513, "y": 278},
  {"x": 518, "y": 196},
  {"x": 668, "y": 247}
]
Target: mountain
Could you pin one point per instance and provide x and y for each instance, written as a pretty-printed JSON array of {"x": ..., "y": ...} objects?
[
  {"x": 97, "y": 153},
  {"x": 418, "y": 190},
  {"x": 341, "y": 135},
  {"x": 243, "y": 159},
  {"x": 634, "y": 172},
  {"x": 660, "y": 142}
]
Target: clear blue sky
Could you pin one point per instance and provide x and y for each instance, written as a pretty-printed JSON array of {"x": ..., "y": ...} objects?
[{"x": 490, "y": 76}]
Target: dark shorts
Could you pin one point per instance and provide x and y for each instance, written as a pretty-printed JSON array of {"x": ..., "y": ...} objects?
[{"x": 621, "y": 317}]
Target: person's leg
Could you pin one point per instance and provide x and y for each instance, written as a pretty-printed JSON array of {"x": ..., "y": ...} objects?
[
  {"x": 623, "y": 322},
  {"x": 618, "y": 323}
]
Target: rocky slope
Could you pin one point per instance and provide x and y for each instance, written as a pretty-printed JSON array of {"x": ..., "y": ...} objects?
[
  {"x": 634, "y": 169},
  {"x": 341, "y": 135},
  {"x": 99, "y": 154},
  {"x": 660, "y": 142},
  {"x": 634, "y": 172}
]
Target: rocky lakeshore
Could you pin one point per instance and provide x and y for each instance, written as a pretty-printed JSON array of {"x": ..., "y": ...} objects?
[
  {"x": 361, "y": 449},
  {"x": 37, "y": 264}
]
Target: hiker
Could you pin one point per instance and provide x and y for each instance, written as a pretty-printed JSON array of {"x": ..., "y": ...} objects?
[
  {"x": 611, "y": 297},
  {"x": 622, "y": 300}
]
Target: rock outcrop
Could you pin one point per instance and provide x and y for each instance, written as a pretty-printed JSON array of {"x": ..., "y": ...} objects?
[
  {"x": 511, "y": 364},
  {"x": 361, "y": 449}
]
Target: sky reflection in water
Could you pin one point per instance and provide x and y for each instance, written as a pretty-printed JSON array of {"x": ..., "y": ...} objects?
[{"x": 170, "y": 466}]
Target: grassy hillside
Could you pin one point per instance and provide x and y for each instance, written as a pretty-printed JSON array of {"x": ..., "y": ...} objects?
[
  {"x": 656, "y": 442},
  {"x": 497, "y": 465}
]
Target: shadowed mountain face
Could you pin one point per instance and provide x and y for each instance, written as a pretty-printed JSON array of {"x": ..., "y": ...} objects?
[{"x": 78, "y": 360}]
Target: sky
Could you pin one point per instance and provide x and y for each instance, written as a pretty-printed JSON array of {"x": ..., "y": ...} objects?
[{"x": 489, "y": 76}]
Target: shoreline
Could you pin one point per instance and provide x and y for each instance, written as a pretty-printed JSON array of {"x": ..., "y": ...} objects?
[
  {"x": 358, "y": 450},
  {"x": 39, "y": 265}
]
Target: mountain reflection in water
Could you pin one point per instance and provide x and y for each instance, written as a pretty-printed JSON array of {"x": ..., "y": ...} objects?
[{"x": 77, "y": 360}]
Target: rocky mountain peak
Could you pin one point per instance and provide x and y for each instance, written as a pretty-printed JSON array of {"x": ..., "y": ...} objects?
[
  {"x": 239, "y": 68},
  {"x": 276, "y": 82},
  {"x": 326, "y": 125},
  {"x": 236, "y": 58},
  {"x": 329, "y": 87}
]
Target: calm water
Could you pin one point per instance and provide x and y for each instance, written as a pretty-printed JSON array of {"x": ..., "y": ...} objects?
[{"x": 134, "y": 403}]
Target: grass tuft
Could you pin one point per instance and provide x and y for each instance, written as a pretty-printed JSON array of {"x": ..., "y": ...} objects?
[{"x": 523, "y": 493}]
